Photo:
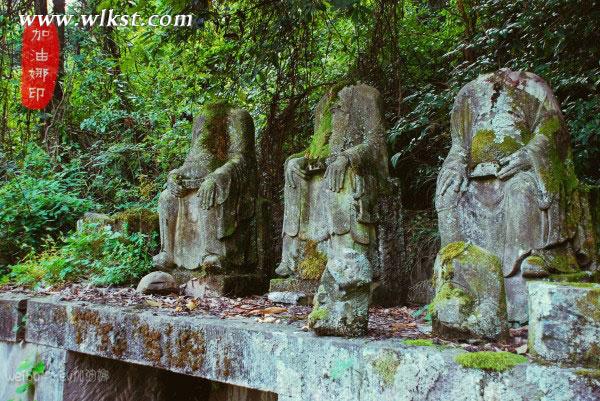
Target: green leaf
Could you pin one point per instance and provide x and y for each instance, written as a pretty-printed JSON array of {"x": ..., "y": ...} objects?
[
  {"x": 39, "y": 368},
  {"x": 22, "y": 388}
]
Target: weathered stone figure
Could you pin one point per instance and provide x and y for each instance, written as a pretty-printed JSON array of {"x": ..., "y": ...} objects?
[
  {"x": 207, "y": 211},
  {"x": 470, "y": 298},
  {"x": 508, "y": 184},
  {"x": 331, "y": 194}
]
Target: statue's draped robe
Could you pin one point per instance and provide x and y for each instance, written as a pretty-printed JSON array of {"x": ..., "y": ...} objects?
[
  {"x": 219, "y": 230},
  {"x": 312, "y": 210},
  {"x": 495, "y": 116}
]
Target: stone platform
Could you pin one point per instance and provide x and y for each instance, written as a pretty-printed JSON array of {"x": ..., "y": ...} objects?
[{"x": 93, "y": 352}]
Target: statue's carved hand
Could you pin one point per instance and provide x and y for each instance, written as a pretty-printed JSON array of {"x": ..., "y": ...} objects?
[
  {"x": 207, "y": 193},
  {"x": 335, "y": 173},
  {"x": 451, "y": 178},
  {"x": 514, "y": 163},
  {"x": 174, "y": 187},
  {"x": 295, "y": 169}
]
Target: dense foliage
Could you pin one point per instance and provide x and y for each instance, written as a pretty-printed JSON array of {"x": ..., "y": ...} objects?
[{"x": 128, "y": 95}]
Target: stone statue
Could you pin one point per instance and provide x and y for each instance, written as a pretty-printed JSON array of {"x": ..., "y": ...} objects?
[
  {"x": 508, "y": 184},
  {"x": 331, "y": 199},
  {"x": 470, "y": 298},
  {"x": 206, "y": 214}
]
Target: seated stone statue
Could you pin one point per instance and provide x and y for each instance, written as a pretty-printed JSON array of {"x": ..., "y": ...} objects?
[
  {"x": 331, "y": 199},
  {"x": 331, "y": 188},
  {"x": 508, "y": 184},
  {"x": 206, "y": 214}
]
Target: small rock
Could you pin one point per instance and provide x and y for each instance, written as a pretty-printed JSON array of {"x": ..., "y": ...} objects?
[
  {"x": 198, "y": 289},
  {"x": 288, "y": 297},
  {"x": 157, "y": 283},
  {"x": 522, "y": 349}
]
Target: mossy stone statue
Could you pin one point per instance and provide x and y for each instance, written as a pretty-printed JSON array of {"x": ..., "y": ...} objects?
[
  {"x": 207, "y": 212},
  {"x": 335, "y": 194},
  {"x": 508, "y": 183}
]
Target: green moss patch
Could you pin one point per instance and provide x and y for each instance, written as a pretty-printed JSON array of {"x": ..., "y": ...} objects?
[
  {"x": 593, "y": 373},
  {"x": 137, "y": 220},
  {"x": 485, "y": 148},
  {"x": 386, "y": 366},
  {"x": 419, "y": 342},
  {"x": 313, "y": 264},
  {"x": 318, "y": 148},
  {"x": 590, "y": 304},
  {"x": 318, "y": 314},
  {"x": 488, "y": 360}
]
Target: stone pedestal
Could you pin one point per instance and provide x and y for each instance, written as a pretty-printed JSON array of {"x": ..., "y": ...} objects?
[
  {"x": 470, "y": 300},
  {"x": 564, "y": 322},
  {"x": 294, "y": 285},
  {"x": 232, "y": 285}
]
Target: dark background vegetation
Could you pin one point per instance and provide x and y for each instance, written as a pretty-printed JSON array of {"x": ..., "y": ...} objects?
[{"x": 121, "y": 118}]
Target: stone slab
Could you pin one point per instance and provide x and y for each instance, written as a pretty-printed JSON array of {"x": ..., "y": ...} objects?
[
  {"x": 308, "y": 287},
  {"x": 233, "y": 285},
  {"x": 12, "y": 311},
  {"x": 48, "y": 386},
  {"x": 298, "y": 365},
  {"x": 564, "y": 322}
]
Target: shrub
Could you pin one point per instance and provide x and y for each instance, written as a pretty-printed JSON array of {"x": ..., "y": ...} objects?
[
  {"x": 94, "y": 253},
  {"x": 37, "y": 204}
]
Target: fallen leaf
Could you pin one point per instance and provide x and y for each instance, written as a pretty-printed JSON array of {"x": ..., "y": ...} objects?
[
  {"x": 191, "y": 305},
  {"x": 273, "y": 310},
  {"x": 152, "y": 302}
]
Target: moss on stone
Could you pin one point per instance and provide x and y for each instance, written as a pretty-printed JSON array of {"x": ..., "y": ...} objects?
[
  {"x": 589, "y": 305},
  {"x": 571, "y": 277},
  {"x": 559, "y": 176},
  {"x": 313, "y": 264},
  {"x": 136, "y": 219},
  {"x": 452, "y": 250},
  {"x": 386, "y": 366},
  {"x": 317, "y": 314},
  {"x": 488, "y": 360},
  {"x": 448, "y": 292},
  {"x": 536, "y": 261},
  {"x": 486, "y": 148},
  {"x": 318, "y": 148},
  {"x": 578, "y": 285},
  {"x": 420, "y": 342},
  {"x": 563, "y": 264},
  {"x": 593, "y": 373}
]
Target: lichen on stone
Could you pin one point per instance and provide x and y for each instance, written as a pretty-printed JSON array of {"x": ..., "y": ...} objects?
[
  {"x": 489, "y": 360},
  {"x": 386, "y": 366},
  {"x": 313, "y": 264}
]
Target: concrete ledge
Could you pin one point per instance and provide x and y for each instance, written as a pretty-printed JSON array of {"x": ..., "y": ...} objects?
[
  {"x": 564, "y": 322},
  {"x": 294, "y": 364},
  {"x": 12, "y": 310}
]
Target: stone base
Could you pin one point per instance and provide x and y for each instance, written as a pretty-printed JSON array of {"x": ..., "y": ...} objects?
[
  {"x": 231, "y": 285},
  {"x": 266, "y": 359},
  {"x": 295, "y": 285},
  {"x": 564, "y": 322}
]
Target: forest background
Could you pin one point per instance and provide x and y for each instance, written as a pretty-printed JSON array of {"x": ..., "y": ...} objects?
[{"x": 122, "y": 112}]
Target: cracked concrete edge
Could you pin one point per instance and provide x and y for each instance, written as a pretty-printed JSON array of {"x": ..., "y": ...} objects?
[{"x": 294, "y": 364}]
